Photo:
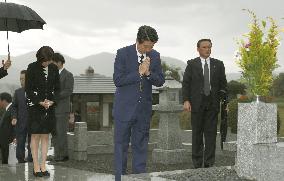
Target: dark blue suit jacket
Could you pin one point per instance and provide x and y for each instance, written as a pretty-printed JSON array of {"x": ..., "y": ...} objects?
[
  {"x": 20, "y": 110},
  {"x": 127, "y": 81}
]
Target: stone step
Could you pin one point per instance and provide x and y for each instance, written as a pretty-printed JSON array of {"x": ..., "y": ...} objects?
[
  {"x": 108, "y": 149},
  {"x": 99, "y": 149},
  {"x": 187, "y": 146},
  {"x": 280, "y": 139},
  {"x": 230, "y": 146}
]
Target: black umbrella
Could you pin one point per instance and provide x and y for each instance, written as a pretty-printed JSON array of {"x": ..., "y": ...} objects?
[
  {"x": 224, "y": 114},
  {"x": 18, "y": 18}
]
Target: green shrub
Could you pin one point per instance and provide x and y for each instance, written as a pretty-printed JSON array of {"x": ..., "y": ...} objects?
[
  {"x": 233, "y": 115},
  {"x": 184, "y": 120}
]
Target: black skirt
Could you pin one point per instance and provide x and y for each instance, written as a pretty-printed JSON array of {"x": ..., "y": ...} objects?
[{"x": 41, "y": 121}]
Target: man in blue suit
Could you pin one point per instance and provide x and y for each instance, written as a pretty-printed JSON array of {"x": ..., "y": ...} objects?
[{"x": 136, "y": 68}]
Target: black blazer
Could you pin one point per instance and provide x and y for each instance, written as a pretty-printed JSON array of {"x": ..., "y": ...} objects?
[
  {"x": 6, "y": 128},
  {"x": 37, "y": 89},
  {"x": 20, "y": 111},
  {"x": 192, "y": 85},
  {"x": 3, "y": 72}
]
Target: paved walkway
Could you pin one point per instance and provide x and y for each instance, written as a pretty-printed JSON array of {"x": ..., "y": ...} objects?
[{"x": 23, "y": 172}]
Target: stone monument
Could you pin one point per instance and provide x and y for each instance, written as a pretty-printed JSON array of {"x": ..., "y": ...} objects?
[
  {"x": 259, "y": 156},
  {"x": 169, "y": 148}
]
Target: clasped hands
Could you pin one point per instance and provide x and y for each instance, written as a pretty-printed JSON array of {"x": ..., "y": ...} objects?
[
  {"x": 46, "y": 103},
  {"x": 144, "y": 67}
]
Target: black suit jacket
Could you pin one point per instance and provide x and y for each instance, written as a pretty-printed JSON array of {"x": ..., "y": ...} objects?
[
  {"x": 193, "y": 80},
  {"x": 6, "y": 129},
  {"x": 20, "y": 111},
  {"x": 3, "y": 72},
  {"x": 66, "y": 90},
  {"x": 37, "y": 89}
]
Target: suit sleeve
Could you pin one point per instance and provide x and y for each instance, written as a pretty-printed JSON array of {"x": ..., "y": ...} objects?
[
  {"x": 68, "y": 87},
  {"x": 186, "y": 83},
  {"x": 156, "y": 76},
  {"x": 120, "y": 76},
  {"x": 3, "y": 72},
  {"x": 14, "y": 106},
  {"x": 32, "y": 94},
  {"x": 223, "y": 80},
  {"x": 56, "y": 86}
]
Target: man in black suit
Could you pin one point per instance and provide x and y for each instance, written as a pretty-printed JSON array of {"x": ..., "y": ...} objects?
[
  {"x": 203, "y": 81},
  {"x": 62, "y": 109},
  {"x": 3, "y": 70},
  {"x": 20, "y": 114},
  {"x": 6, "y": 126}
]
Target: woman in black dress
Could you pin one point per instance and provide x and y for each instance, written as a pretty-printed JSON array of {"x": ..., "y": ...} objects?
[{"x": 42, "y": 86}]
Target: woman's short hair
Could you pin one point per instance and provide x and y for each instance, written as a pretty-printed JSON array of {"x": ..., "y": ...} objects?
[
  {"x": 44, "y": 54},
  {"x": 147, "y": 33}
]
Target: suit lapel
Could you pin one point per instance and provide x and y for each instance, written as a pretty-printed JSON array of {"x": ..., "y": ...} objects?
[
  {"x": 5, "y": 114},
  {"x": 199, "y": 68},
  {"x": 133, "y": 56}
]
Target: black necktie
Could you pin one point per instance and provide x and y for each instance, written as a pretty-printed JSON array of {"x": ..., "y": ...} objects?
[
  {"x": 141, "y": 59},
  {"x": 206, "y": 79}
]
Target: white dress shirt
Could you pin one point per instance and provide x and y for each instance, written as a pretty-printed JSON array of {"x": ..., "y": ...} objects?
[
  {"x": 60, "y": 70},
  {"x": 139, "y": 54},
  {"x": 8, "y": 106}
]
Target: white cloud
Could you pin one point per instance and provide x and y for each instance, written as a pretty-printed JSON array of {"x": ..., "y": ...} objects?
[{"x": 81, "y": 28}]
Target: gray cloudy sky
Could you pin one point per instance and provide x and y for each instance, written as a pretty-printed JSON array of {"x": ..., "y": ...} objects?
[{"x": 81, "y": 28}]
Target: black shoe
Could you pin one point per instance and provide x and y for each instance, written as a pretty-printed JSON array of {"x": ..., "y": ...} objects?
[
  {"x": 22, "y": 161},
  {"x": 50, "y": 158},
  {"x": 207, "y": 165},
  {"x": 45, "y": 173},
  {"x": 37, "y": 174},
  {"x": 66, "y": 158},
  {"x": 195, "y": 167},
  {"x": 29, "y": 160}
]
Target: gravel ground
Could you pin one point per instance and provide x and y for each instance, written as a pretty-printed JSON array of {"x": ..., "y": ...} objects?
[
  {"x": 223, "y": 173},
  {"x": 103, "y": 163}
]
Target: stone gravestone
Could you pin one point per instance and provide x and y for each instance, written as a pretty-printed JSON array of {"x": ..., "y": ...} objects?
[
  {"x": 80, "y": 142},
  {"x": 259, "y": 156},
  {"x": 169, "y": 148}
]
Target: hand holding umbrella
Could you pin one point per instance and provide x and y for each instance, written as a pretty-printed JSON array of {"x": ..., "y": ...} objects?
[{"x": 6, "y": 64}]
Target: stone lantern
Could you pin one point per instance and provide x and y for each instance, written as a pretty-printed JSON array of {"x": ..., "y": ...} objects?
[{"x": 169, "y": 148}]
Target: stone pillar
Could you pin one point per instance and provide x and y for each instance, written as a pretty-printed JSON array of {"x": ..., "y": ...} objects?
[
  {"x": 169, "y": 148},
  {"x": 105, "y": 115},
  {"x": 80, "y": 141},
  {"x": 256, "y": 138}
]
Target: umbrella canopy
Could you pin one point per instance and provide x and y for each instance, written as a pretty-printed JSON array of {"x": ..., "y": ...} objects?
[{"x": 18, "y": 18}]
